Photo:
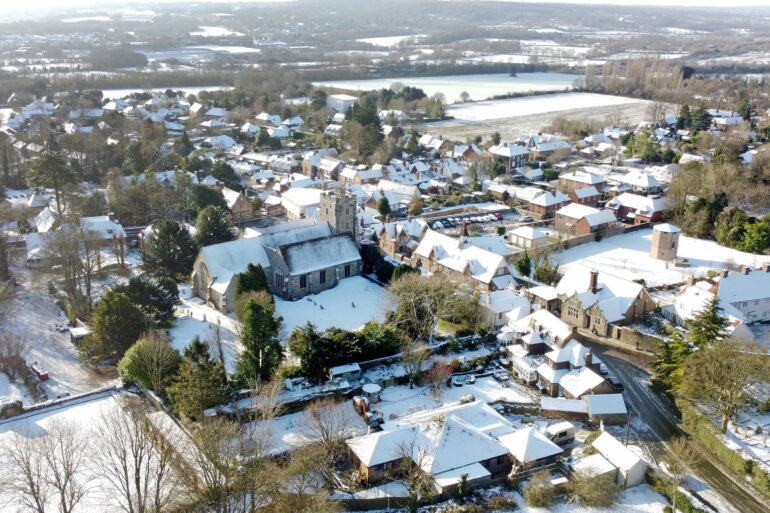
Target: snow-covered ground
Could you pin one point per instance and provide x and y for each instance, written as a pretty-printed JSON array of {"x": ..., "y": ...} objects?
[
  {"x": 640, "y": 499},
  {"x": 628, "y": 256},
  {"x": 208, "y": 31},
  {"x": 529, "y": 105},
  {"x": 480, "y": 86},
  {"x": 389, "y": 41},
  {"x": 199, "y": 320},
  {"x": 351, "y": 304},
  {"x": 753, "y": 446},
  {"x": 13, "y": 391}
]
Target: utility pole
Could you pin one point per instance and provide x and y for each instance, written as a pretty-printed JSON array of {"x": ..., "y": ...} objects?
[{"x": 628, "y": 426}]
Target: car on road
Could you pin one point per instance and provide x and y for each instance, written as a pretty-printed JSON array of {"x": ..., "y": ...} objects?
[
  {"x": 457, "y": 381},
  {"x": 527, "y": 219},
  {"x": 615, "y": 383}
]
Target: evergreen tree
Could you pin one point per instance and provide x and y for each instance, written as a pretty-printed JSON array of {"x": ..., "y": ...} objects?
[
  {"x": 262, "y": 350},
  {"x": 155, "y": 296},
  {"x": 116, "y": 324},
  {"x": 253, "y": 279},
  {"x": 383, "y": 206},
  {"x": 152, "y": 361},
  {"x": 51, "y": 170},
  {"x": 213, "y": 226},
  {"x": 547, "y": 273},
  {"x": 263, "y": 138},
  {"x": 413, "y": 145},
  {"x": 756, "y": 236},
  {"x": 169, "y": 249},
  {"x": 200, "y": 382},
  {"x": 683, "y": 120},
  {"x": 709, "y": 325},
  {"x": 744, "y": 108},
  {"x": 202, "y": 196},
  {"x": 669, "y": 362},
  {"x": 182, "y": 145},
  {"x": 524, "y": 265},
  {"x": 224, "y": 173},
  {"x": 700, "y": 119}
]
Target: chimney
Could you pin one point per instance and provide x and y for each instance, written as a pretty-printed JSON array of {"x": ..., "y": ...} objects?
[
  {"x": 589, "y": 358},
  {"x": 690, "y": 281},
  {"x": 766, "y": 267},
  {"x": 531, "y": 308},
  {"x": 723, "y": 273},
  {"x": 594, "y": 281},
  {"x": 745, "y": 269}
]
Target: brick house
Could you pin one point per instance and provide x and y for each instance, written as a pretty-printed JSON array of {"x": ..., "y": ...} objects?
[{"x": 545, "y": 205}]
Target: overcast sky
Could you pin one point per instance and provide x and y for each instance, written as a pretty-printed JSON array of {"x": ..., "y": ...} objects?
[{"x": 7, "y": 6}]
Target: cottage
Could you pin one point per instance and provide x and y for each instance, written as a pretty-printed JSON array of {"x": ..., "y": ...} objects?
[
  {"x": 747, "y": 291},
  {"x": 569, "y": 182},
  {"x": 585, "y": 196},
  {"x": 495, "y": 305},
  {"x": 583, "y": 220},
  {"x": 513, "y": 155},
  {"x": 348, "y": 372},
  {"x": 530, "y": 448},
  {"x": 638, "y": 209},
  {"x": 400, "y": 238},
  {"x": 545, "y": 205}
]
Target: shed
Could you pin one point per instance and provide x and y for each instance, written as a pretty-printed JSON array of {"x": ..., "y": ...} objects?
[
  {"x": 595, "y": 465},
  {"x": 573, "y": 409},
  {"x": 372, "y": 392},
  {"x": 606, "y": 408},
  {"x": 631, "y": 468},
  {"x": 78, "y": 333},
  {"x": 350, "y": 372}
]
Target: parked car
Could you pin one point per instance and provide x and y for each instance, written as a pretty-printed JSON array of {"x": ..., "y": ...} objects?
[
  {"x": 615, "y": 383},
  {"x": 603, "y": 370},
  {"x": 501, "y": 375},
  {"x": 504, "y": 362},
  {"x": 457, "y": 381},
  {"x": 499, "y": 216},
  {"x": 471, "y": 380},
  {"x": 527, "y": 219}
]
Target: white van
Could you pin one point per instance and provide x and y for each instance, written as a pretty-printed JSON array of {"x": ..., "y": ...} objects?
[{"x": 561, "y": 433}]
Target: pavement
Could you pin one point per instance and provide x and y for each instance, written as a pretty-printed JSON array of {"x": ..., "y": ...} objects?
[{"x": 711, "y": 482}]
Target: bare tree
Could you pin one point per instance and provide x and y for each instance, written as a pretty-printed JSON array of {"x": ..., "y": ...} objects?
[
  {"x": 300, "y": 491},
  {"x": 25, "y": 474},
  {"x": 65, "y": 449},
  {"x": 135, "y": 459},
  {"x": 437, "y": 378},
  {"x": 656, "y": 111},
  {"x": 153, "y": 359},
  {"x": 327, "y": 423},
  {"x": 412, "y": 458},
  {"x": 413, "y": 355},
  {"x": 12, "y": 349},
  {"x": 682, "y": 455}
]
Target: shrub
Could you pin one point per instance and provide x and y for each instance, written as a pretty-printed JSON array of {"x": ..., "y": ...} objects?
[
  {"x": 538, "y": 493},
  {"x": 589, "y": 443},
  {"x": 501, "y": 503}
]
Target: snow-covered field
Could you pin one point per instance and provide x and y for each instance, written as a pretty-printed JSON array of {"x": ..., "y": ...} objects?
[
  {"x": 13, "y": 391},
  {"x": 479, "y": 87},
  {"x": 351, "y": 304},
  {"x": 526, "y": 106},
  {"x": 389, "y": 41},
  {"x": 628, "y": 256},
  {"x": 208, "y": 31},
  {"x": 743, "y": 438}
]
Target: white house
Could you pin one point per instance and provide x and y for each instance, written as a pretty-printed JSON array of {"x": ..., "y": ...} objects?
[
  {"x": 340, "y": 102},
  {"x": 747, "y": 291},
  {"x": 631, "y": 468}
]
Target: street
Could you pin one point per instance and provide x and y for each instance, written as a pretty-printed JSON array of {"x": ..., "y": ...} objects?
[{"x": 719, "y": 488}]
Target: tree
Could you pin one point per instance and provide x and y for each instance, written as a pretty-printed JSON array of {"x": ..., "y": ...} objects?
[
  {"x": 584, "y": 489},
  {"x": 169, "y": 249},
  {"x": 155, "y": 296},
  {"x": 756, "y": 236},
  {"x": 496, "y": 138},
  {"x": 669, "y": 362},
  {"x": 202, "y": 196},
  {"x": 25, "y": 475},
  {"x": 200, "y": 383},
  {"x": 409, "y": 471},
  {"x": 51, "y": 170},
  {"x": 151, "y": 361},
  {"x": 182, "y": 145},
  {"x": 683, "y": 120},
  {"x": 413, "y": 144},
  {"x": 318, "y": 99},
  {"x": 263, "y": 138},
  {"x": 383, "y": 207},
  {"x": 225, "y": 174},
  {"x": 524, "y": 265},
  {"x": 708, "y": 325},
  {"x": 262, "y": 349},
  {"x": 403, "y": 269},
  {"x": 12, "y": 350},
  {"x": 547, "y": 273},
  {"x": 253, "y": 279},
  {"x": 256, "y": 203},
  {"x": 681, "y": 455},
  {"x": 213, "y": 226},
  {"x": 116, "y": 324},
  {"x": 415, "y": 206},
  {"x": 327, "y": 423},
  {"x": 413, "y": 356},
  {"x": 718, "y": 375},
  {"x": 136, "y": 460},
  {"x": 437, "y": 378}
]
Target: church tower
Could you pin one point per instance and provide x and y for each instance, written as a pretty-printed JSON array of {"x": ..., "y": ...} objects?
[{"x": 338, "y": 208}]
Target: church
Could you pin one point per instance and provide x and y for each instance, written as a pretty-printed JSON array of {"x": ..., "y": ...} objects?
[{"x": 299, "y": 257}]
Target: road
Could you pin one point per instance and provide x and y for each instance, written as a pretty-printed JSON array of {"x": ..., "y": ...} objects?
[{"x": 720, "y": 489}]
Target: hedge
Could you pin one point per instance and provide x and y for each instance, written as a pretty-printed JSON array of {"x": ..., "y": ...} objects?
[
  {"x": 704, "y": 430},
  {"x": 660, "y": 485}
]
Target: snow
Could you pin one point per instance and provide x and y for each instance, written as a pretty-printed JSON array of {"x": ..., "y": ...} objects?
[
  {"x": 351, "y": 304},
  {"x": 628, "y": 256},
  {"x": 529, "y": 444},
  {"x": 13, "y": 391},
  {"x": 617, "y": 453},
  {"x": 749, "y": 444},
  {"x": 479, "y": 86},
  {"x": 389, "y": 41},
  {"x": 207, "y": 31},
  {"x": 530, "y": 105}
]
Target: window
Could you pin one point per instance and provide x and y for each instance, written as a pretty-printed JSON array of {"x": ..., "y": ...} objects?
[
  {"x": 347, "y": 271},
  {"x": 278, "y": 281},
  {"x": 572, "y": 311},
  {"x": 500, "y": 459},
  {"x": 382, "y": 467},
  {"x": 303, "y": 281},
  {"x": 322, "y": 276}
]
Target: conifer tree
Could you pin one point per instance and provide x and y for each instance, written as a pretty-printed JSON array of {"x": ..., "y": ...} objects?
[
  {"x": 709, "y": 325},
  {"x": 262, "y": 350},
  {"x": 200, "y": 382}
]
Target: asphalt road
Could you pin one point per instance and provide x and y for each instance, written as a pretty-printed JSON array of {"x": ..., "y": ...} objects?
[{"x": 722, "y": 491}]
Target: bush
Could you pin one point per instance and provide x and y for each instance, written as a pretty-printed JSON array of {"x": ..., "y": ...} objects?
[
  {"x": 538, "y": 493},
  {"x": 662, "y": 486},
  {"x": 501, "y": 503},
  {"x": 589, "y": 447}
]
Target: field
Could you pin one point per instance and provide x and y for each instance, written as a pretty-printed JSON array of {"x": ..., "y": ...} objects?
[{"x": 529, "y": 115}]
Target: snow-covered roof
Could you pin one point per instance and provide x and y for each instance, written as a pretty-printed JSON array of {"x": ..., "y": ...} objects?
[
  {"x": 615, "y": 295},
  {"x": 583, "y": 177},
  {"x": 576, "y": 211},
  {"x": 573, "y": 352},
  {"x": 103, "y": 225},
  {"x": 548, "y": 199},
  {"x": 578, "y": 382},
  {"x": 561, "y": 404},
  {"x": 345, "y": 369},
  {"x": 737, "y": 287},
  {"x": 530, "y": 232},
  {"x": 606, "y": 404},
  {"x": 645, "y": 205},
  {"x": 667, "y": 228},
  {"x": 449, "y": 252},
  {"x": 503, "y": 300},
  {"x": 529, "y": 444},
  {"x": 617, "y": 453},
  {"x": 640, "y": 179},
  {"x": 585, "y": 192},
  {"x": 545, "y": 321},
  {"x": 594, "y": 465},
  {"x": 45, "y": 220},
  {"x": 322, "y": 253},
  {"x": 508, "y": 150}
]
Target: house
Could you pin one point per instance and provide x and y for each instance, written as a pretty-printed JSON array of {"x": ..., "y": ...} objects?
[
  {"x": 595, "y": 300},
  {"x": 529, "y": 237},
  {"x": 299, "y": 257},
  {"x": 636, "y": 209},
  {"x": 530, "y": 449},
  {"x": 641, "y": 182},
  {"x": 544, "y": 296},
  {"x": 400, "y": 238},
  {"x": 445, "y": 443},
  {"x": 545, "y": 205},
  {"x": 486, "y": 271},
  {"x": 747, "y": 291},
  {"x": 575, "y": 363},
  {"x": 340, "y": 102},
  {"x": 495, "y": 305},
  {"x": 560, "y": 408},
  {"x": 582, "y": 382},
  {"x": 569, "y": 182},
  {"x": 220, "y": 142},
  {"x": 360, "y": 175},
  {"x": 585, "y": 196},
  {"x": 606, "y": 409},
  {"x": 555, "y": 331},
  {"x": 347, "y": 372},
  {"x": 301, "y": 202},
  {"x": 241, "y": 208},
  {"x": 631, "y": 468},
  {"x": 512, "y": 155},
  {"x": 583, "y": 220}
]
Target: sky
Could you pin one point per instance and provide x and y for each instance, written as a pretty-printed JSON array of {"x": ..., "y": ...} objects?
[{"x": 38, "y": 7}]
